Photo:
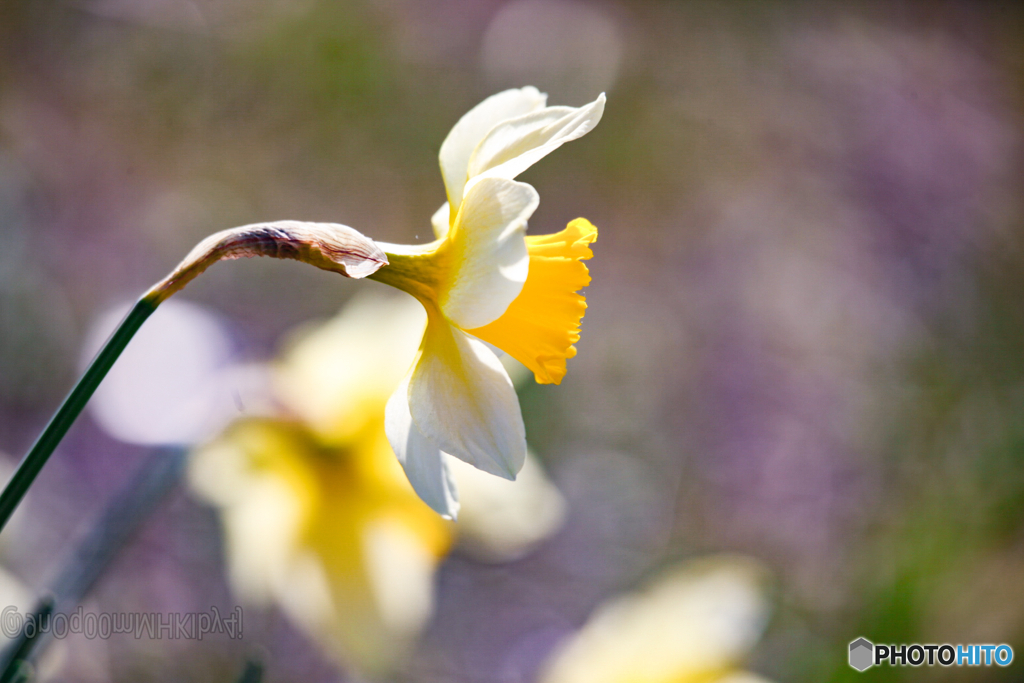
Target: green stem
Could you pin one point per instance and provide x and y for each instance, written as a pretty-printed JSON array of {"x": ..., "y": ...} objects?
[
  {"x": 17, "y": 653},
  {"x": 70, "y": 409}
]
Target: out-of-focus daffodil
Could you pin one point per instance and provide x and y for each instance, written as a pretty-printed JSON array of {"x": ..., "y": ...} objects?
[
  {"x": 319, "y": 516},
  {"x": 483, "y": 280},
  {"x": 694, "y": 624}
]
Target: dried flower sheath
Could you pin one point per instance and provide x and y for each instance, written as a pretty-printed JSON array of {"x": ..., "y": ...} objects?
[{"x": 330, "y": 246}]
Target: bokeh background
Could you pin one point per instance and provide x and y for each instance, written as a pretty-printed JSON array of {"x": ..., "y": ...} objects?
[{"x": 804, "y": 342}]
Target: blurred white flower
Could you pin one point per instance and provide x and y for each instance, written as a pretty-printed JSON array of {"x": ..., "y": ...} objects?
[
  {"x": 500, "y": 519},
  {"x": 694, "y": 624},
  {"x": 175, "y": 383}
]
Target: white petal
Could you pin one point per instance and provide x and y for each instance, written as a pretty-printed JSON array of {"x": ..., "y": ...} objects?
[
  {"x": 462, "y": 400},
  {"x": 473, "y": 126},
  {"x": 440, "y": 221},
  {"x": 513, "y": 146},
  {"x": 490, "y": 258},
  {"x": 503, "y": 520},
  {"x": 422, "y": 461}
]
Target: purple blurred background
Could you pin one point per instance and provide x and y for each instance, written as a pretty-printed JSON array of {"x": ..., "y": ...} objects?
[{"x": 804, "y": 339}]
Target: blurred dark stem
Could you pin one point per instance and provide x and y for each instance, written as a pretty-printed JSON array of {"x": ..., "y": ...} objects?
[
  {"x": 116, "y": 524},
  {"x": 70, "y": 409},
  {"x": 253, "y": 672},
  {"x": 15, "y": 657},
  {"x": 121, "y": 517}
]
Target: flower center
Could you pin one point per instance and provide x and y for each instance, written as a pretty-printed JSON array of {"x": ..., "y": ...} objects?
[{"x": 419, "y": 270}]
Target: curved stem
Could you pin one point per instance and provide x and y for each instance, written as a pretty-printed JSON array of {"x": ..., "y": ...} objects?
[
  {"x": 70, "y": 409},
  {"x": 329, "y": 246}
]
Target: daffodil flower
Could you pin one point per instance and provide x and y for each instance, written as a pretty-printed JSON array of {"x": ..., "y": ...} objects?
[
  {"x": 483, "y": 280},
  {"x": 694, "y": 624}
]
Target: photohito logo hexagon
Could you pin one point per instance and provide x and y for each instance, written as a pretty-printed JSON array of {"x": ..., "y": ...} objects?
[{"x": 862, "y": 654}]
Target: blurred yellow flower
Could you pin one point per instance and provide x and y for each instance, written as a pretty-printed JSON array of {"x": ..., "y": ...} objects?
[
  {"x": 694, "y": 624},
  {"x": 319, "y": 516},
  {"x": 483, "y": 280}
]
